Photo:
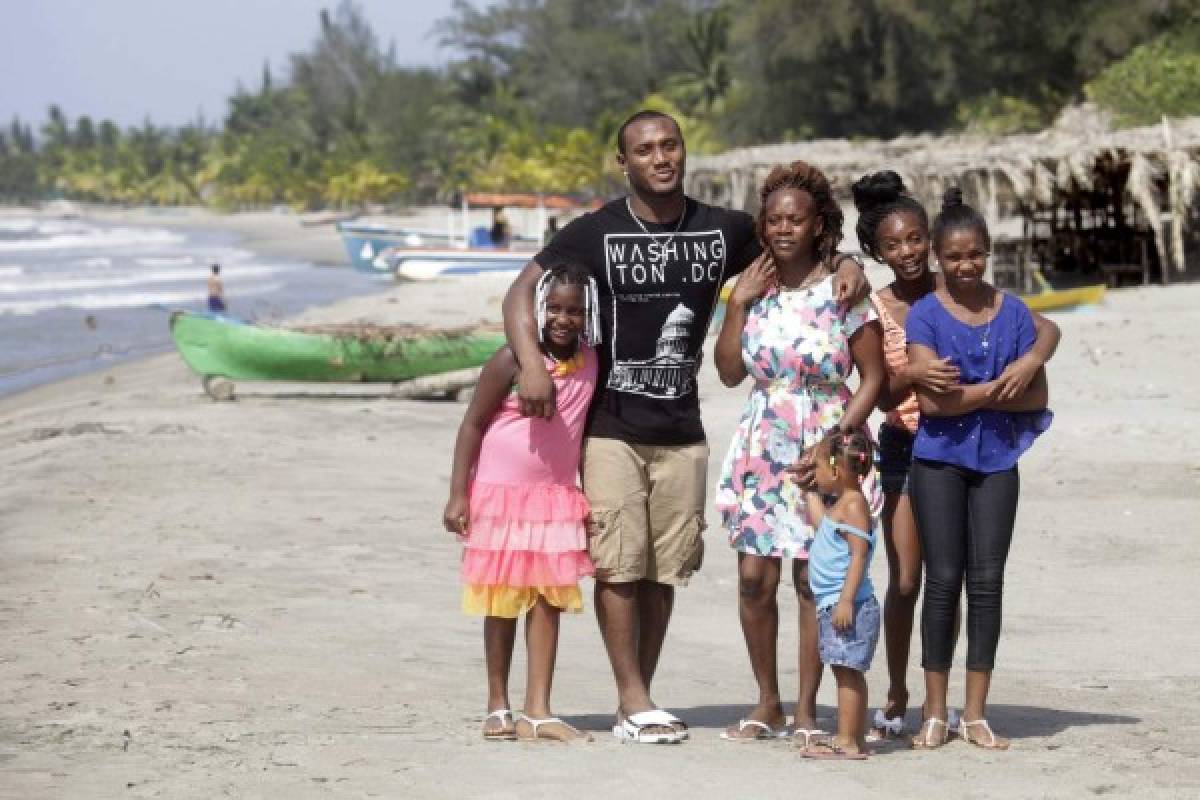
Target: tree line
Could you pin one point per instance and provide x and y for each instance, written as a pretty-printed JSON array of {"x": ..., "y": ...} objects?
[{"x": 537, "y": 89}]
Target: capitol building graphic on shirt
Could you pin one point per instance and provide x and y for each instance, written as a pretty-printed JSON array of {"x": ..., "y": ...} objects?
[{"x": 671, "y": 372}]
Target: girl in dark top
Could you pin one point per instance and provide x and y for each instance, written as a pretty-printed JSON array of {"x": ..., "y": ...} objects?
[{"x": 964, "y": 480}]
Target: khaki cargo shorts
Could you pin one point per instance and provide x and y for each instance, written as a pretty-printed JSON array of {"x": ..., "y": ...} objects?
[{"x": 647, "y": 509}]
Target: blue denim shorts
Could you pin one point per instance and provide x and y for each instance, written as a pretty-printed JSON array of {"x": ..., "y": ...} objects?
[
  {"x": 895, "y": 458},
  {"x": 851, "y": 648}
]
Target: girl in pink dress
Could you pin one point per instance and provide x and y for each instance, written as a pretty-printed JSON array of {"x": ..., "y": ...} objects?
[{"x": 515, "y": 504}]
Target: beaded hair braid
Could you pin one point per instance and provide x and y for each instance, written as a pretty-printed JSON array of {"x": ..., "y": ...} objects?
[{"x": 570, "y": 275}]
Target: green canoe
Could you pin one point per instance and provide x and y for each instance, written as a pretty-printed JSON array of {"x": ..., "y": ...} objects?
[{"x": 220, "y": 346}]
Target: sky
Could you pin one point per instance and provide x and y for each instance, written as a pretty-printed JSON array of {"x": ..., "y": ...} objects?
[{"x": 172, "y": 60}]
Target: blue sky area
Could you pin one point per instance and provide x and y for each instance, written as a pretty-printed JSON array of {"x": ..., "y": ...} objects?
[{"x": 173, "y": 59}]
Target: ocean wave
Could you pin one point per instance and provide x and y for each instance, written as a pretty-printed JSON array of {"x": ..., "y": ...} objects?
[
  {"x": 229, "y": 255},
  {"x": 13, "y": 225},
  {"x": 9, "y": 270},
  {"x": 95, "y": 263},
  {"x": 165, "y": 261},
  {"x": 92, "y": 237},
  {"x": 100, "y": 302},
  {"x": 67, "y": 282}
]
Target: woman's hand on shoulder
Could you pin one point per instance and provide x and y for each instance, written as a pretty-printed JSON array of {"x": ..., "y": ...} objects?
[
  {"x": 753, "y": 282},
  {"x": 454, "y": 517},
  {"x": 850, "y": 284}
]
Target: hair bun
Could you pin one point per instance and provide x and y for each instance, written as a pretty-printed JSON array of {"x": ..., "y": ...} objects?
[
  {"x": 952, "y": 197},
  {"x": 877, "y": 189}
]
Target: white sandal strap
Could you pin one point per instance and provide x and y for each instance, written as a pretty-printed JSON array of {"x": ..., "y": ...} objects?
[
  {"x": 963, "y": 725},
  {"x": 655, "y": 716},
  {"x": 537, "y": 723},
  {"x": 928, "y": 726},
  {"x": 632, "y": 728},
  {"x": 501, "y": 714}
]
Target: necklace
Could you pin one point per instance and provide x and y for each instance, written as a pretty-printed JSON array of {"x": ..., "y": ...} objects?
[
  {"x": 662, "y": 246},
  {"x": 567, "y": 366},
  {"x": 814, "y": 276},
  {"x": 987, "y": 332}
]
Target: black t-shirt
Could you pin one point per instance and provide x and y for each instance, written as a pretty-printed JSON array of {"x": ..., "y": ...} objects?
[{"x": 657, "y": 294}]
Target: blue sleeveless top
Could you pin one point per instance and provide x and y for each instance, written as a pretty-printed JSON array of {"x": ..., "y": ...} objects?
[{"x": 829, "y": 561}]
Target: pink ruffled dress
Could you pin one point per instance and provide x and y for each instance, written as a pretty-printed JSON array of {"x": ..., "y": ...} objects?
[{"x": 526, "y": 534}]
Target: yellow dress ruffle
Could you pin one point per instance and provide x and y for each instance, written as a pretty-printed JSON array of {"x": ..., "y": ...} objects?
[{"x": 513, "y": 601}]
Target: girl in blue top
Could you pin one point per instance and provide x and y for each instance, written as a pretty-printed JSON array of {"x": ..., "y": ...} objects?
[
  {"x": 838, "y": 558},
  {"x": 964, "y": 481}
]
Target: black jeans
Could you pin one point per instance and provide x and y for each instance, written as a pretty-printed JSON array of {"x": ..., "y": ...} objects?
[{"x": 965, "y": 519}]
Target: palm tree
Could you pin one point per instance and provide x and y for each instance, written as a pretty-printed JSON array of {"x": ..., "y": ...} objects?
[{"x": 706, "y": 77}]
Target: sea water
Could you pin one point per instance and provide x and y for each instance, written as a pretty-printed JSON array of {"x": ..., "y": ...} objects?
[{"x": 78, "y": 295}]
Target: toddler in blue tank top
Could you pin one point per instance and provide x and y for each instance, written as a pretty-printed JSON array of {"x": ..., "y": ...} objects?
[{"x": 838, "y": 559}]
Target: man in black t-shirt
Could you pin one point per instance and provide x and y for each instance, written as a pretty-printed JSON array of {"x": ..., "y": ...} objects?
[{"x": 659, "y": 259}]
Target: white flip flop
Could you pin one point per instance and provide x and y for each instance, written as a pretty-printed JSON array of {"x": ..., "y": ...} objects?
[
  {"x": 765, "y": 732},
  {"x": 537, "y": 737},
  {"x": 506, "y": 718},
  {"x": 632, "y": 728}
]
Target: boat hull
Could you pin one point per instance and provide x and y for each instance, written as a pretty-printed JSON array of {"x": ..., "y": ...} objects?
[
  {"x": 366, "y": 244},
  {"x": 1058, "y": 299},
  {"x": 424, "y": 265},
  {"x": 375, "y": 249},
  {"x": 219, "y": 346}
]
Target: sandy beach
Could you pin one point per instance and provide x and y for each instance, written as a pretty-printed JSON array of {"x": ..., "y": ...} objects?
[{"x": 256, "y": 600}]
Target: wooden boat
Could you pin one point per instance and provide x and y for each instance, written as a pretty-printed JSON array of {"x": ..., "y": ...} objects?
[{"x": 215, "y": 346}]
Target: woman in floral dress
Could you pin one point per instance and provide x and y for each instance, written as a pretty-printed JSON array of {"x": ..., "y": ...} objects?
[{"x": 784, "y": 329}]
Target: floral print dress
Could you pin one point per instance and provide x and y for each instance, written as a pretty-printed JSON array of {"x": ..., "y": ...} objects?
[{"x": 796, "y": 347}]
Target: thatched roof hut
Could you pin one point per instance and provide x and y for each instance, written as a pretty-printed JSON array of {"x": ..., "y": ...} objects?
[{"x": 1079, "y": 190}]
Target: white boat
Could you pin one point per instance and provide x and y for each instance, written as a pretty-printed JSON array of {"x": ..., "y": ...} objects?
[
  {"x": 380, "y": 247},
  {"x": 425, "y": 265}
]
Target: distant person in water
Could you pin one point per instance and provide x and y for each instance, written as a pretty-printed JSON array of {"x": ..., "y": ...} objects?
[{"x": 216, "y": 291}]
